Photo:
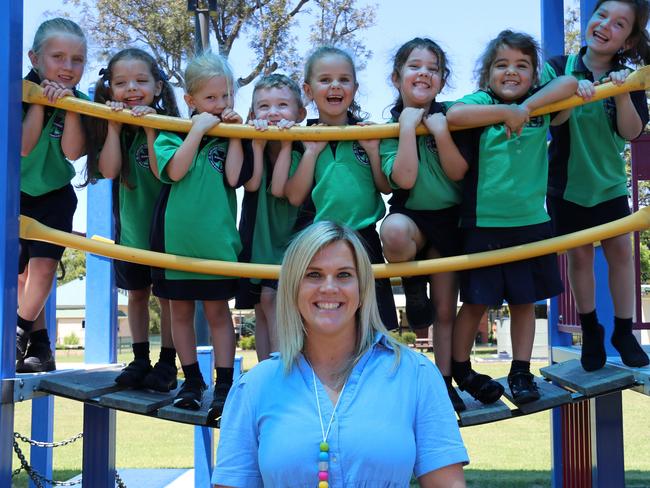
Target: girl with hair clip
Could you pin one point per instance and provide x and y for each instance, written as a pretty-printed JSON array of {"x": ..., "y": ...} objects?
[
  {"x": 268, "y": 220},
  {"x": 133, "y": 80},
  {"x": 503, "y": 206},
  {"x": 588, "y": 181},
  {"x": 424, "y": 172},
  {"x": 51, "y": 138},
  {"x": 317, "y": 414},
  {"x": 195, "y": 216},
  {"x": 343, "y": 178}
]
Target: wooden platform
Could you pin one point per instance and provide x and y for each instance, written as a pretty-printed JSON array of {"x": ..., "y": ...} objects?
[
  {"x": 479, "y": 413},
  {"x": 552, "y": 396},
  {"x": 570, "y": 374}
]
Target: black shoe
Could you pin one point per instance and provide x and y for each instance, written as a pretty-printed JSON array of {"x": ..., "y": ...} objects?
[
  {"x": 162, "y": 377},
  {"x": 523, "y": 387},
  {"x": 218, "y": 402},
  {"x": 190, "y": 395},
  {"x": 592, "y": 354},
  {"x": 133, "y": 375},
  {"x": 419, "y": 308},
  {"x": 38, "y": 359},
  {"x": 456, "y": 400},
  {"x": 481, "y": 387},
  {"x": 22, "y": 339},
  {"x": 632, "y": 354}
]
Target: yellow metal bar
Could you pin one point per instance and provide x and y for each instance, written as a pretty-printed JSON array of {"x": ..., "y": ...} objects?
[
  {"x": 32, "y": 93},
  {"x": 31, "y": 229}
]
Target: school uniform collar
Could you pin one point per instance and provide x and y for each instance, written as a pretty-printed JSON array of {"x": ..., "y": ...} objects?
[
  {"x": 518, "y": 101},
  {"x": 434, "y": 108},
  {"x": 580, "y": 67},
  {"x": 33, "y": 77},
  {"x": 352, "y": 120}
]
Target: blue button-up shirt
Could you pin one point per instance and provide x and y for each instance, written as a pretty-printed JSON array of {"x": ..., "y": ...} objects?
[{"x": 392, "y": 421}]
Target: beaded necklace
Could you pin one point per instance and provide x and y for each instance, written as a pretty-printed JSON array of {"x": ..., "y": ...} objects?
[{"x": 323, "y": 455}]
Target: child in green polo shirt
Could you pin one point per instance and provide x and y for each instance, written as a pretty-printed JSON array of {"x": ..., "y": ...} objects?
[
  {"x": 51, "y": 138},
  {"x": 424, "y": 172},
  {"x": 588, "y": 180},
  {"x": 268, "y": 220},
  {"x": 195, "y": 216},
  {"x": 133, "y": 80},
  {"x": 344, "y": 179},
  {"x": 503, "y": 205}
]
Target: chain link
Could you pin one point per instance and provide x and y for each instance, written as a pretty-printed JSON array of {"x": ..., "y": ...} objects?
[{"x": 38, "y": 479}]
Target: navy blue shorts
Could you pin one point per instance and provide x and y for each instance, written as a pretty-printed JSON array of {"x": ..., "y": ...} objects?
[
  {"x": 249, "y": 293},
  {"x": 383, "y": 289},
  {"x": 519, "y": 282},
  {"x": 195, "y": 289},
  {"x": 54, "y": 209},
  {"x": 131, "y": 276},
  {"x": 439, "y": 228},
  {"x": 570, "y": 217}
]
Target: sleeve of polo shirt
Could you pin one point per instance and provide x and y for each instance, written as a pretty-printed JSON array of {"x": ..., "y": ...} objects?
[
  {"x": 437, "y": 437},
  {"x": 246, "y": 166},
  {"x": 165, "y": 146},
  {"x": 296, "y": 156},
  {"x": 237, "y": 452},
  {"x": 549, "y": 72},
  {"x": 388, "y": 153},
  {"x": 479, "y": 97}
]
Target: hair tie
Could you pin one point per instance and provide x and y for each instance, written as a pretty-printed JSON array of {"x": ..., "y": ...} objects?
[
  {"x": 162, "y": 74},
  {"x": 102, "y": 72}
]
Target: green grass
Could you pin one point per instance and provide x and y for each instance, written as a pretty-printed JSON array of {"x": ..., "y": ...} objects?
[{"x": 508, "y": 454}]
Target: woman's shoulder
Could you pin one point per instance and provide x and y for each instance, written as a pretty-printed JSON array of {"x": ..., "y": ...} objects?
[{"x": 263, "y": 373}]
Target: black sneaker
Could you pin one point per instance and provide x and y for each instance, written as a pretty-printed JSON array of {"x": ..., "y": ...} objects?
[
  {"x": 523, "y": 387},
  {"x": 456, "y": 400},
  {"x": 419, "y": 308},
  {"x": 22, "y": 339},
  {"x": 162, "y": 377},
  {"x": 190, "y": 395},
  {"x": 133, "y": 375},
  {"x": 38, "y": 359},
  {"x": 218, "y": 402},
  {"x": 481, "y": 387}
]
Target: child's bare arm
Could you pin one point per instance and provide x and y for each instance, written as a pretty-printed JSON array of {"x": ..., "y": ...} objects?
[
  {"x": 299, "y": 185},
  {"x": 452, "y": 161},
  {"x": 405, "y": 165},
  {"x": 557, "y": 89},
  {"x": 110, "y": 157},
  {"x": 181, "y": 161},
  {"x": 32, "y": 128},
  {"x": 476, "y": 115},
  {"x": 234, "y": 161},
  {"x": 253, "y": 183},
  {"x": 73, "y": 139},
  {"x": 281, "y": 170}
]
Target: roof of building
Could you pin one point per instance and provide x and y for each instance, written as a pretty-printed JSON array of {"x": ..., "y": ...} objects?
[{"x": 73, "y": 295}]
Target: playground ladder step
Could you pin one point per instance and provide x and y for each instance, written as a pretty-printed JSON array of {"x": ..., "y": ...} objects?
[
  {"x": 552, "y": 396},
  {"x": 196, "y": 417},
  {"x": 137, "y": 401},
  {"x": 81, "y": 385},
  {"x": 479, "y": 413},
  {"x": 570, "y": 374}
]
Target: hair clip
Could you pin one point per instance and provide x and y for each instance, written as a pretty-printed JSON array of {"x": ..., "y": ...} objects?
[
  {"x": 103, "y": 72},
  {"x": 162, "y": 74}
]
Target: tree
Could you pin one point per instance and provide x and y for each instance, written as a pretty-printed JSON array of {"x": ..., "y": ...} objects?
[
  {"x": 572, "y": 40},
  {"x": 73, "y": 266},
  {"x": 167, "y": 29}
]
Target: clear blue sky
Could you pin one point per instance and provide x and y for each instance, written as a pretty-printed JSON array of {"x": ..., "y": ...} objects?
[{"x": 462, "y": 27}]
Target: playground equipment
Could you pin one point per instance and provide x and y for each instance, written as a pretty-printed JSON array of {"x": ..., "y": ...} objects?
[{"x": 587, "y": 423}]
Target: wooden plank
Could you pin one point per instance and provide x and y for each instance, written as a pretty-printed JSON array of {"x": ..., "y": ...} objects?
[
  {"x": 137, "y": 401},
  {"x": 570, "y": 374},
  {"x": 82, "y": 385},
  {"x": 552, "y": 396},
  {"x": 479, "y": 413},
  {"x": 196, "y": 417}
]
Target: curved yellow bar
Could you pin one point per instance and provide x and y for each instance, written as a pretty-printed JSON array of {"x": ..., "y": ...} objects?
[
  {"x": 33, "y": 93},
  {"x": 31, "y": 229}
]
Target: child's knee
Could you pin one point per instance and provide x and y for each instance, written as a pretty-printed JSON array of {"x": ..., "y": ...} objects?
[{"x": 394, "y": 233}]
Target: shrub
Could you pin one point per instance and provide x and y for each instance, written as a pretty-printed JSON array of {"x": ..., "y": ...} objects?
[
  {"x": 405, "y": 337},
  {"x": 71, "y": 340},
  {"x": 247, "y": 343}
]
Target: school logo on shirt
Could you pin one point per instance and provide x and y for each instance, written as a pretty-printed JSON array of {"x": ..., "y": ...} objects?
[
  {"x": 57, "y": 128},
  {"x": 430, "y": 144},
  {"x": 360, "y": 154},
  {"x": 536, "y": 122},
  {"x": 142, "y": 156},
  {"x": 217, "y": 158}
]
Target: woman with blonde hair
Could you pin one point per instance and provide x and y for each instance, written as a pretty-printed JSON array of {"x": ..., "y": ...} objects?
[{"x": 342, "y": 404}]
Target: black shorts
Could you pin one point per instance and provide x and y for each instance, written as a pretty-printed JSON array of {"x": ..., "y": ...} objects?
[
  {"x": 131, "y": 276},
  {"x": 570, "y": 217},
  {"x": 54, "y": 209},
  {"x": 195, "y": 289},
  {"x": 249, "y": 293},
  {"x": 518, "y": 282},
  {"x": 383, "y": 289},
  {"x": 439, "y": 228}
]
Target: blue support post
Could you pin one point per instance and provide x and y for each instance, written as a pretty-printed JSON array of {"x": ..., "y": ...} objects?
[
  {"x": 43, "y": 408},
  {"x": 552, "y": 17},
  {"x": 203, "y": 436},
  {"x": 608, "y": 465},
  {"x": 604, "y": 304},
  {"x": 586, "y": 8},
  {"x": 100, "y": 343},
  {"x": 11, "y": 24}
]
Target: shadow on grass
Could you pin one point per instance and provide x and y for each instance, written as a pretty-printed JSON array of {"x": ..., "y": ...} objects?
[
  {"x": 21, "y": 481},
  {"x": 533, "y": 479}
]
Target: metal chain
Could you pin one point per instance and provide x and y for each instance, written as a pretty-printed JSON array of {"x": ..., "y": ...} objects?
[
  {"x": 49, "y": 444},
  {"x": 38, "y": 479}
]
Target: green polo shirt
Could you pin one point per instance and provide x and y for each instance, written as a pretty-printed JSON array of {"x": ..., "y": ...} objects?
[
  {"x": 45, "y": 168},
  {"x": 344, "y": 189},
  {"x": 506, "y": 182},
  {"x": 200, "y": 215},
  {"x": 136, "y": 200},
  {"x": 433, "y": 190},
  {"x": 586, "y": 162}
]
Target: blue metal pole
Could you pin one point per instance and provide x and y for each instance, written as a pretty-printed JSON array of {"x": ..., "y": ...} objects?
[
  {"x": 552, "y": 17},
  {"x": 604, "y": 304},
  {"x": 43, "y": 408},
  {"x": 11, "y": 24},
  {"x": 203, "y": 436},
  {"x": 101, "y": 339},
  {"x": 608, "y": 466},
  {"x": 586, "y": 9}
]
